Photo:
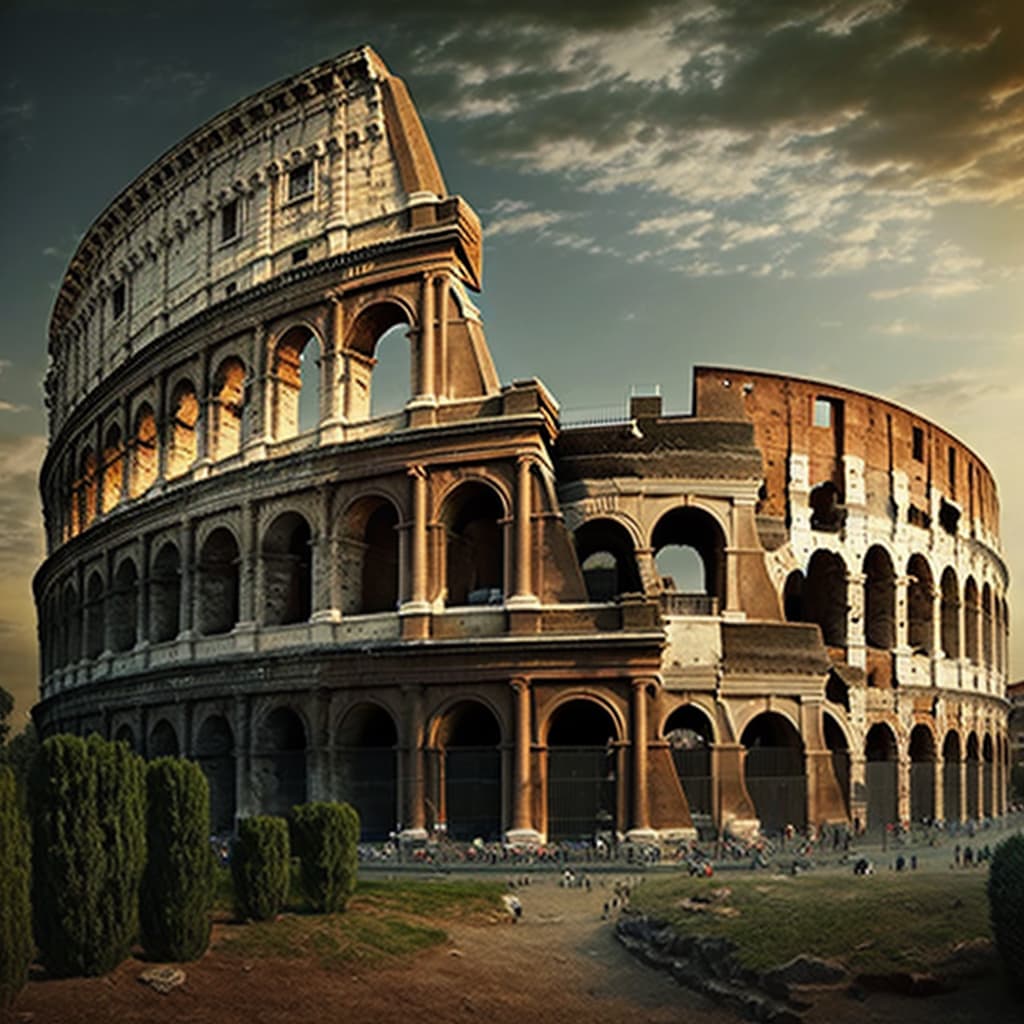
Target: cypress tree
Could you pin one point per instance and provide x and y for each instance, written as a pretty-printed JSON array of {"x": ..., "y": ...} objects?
[
  {"x": 259, "y": 867},
  {"x": 325, "y": 838},
  {"x": 16, "y": 945},
  {"x": 1006, "y": 905},
  {"x": 178, "y": 884}
]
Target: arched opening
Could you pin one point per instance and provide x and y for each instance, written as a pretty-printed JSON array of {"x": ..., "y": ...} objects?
[
  {"x": 227, "y": 406},
  {"x": 113, "y": 468},
  {"x": 987, "y": 776},
  {"x": 793, "y": 597},
  {"x": 689, "y": 551},
  {"x": 986, "y": 625},
  {"x": 836, "y": 690},
  {"x": 950, "y": 614},
  {"x": 184, "y": 410},
  {"x": 218, "y": 583},
  {"x": 125, "y": 734},
  {"x": 123, "y": 607},
  {"x": 879, "y": 599},
  {"x": 997, "y": 634},
  {"x": 165, "y": 595},
  {"x": 690, "y": 736},
  {"x": 582, "y": 771},
  {"x": 287, "y": 571},
  {"x": 163, "y": 740},
  {"x": 95, "y": 636},
  {"x": 835, "y": 741},
  {"x": 379, "y": 357},
  {"x": 920, "y": 604},
  {"x": 973, "y": 779},
  {"x": 143, "y": 466},
  {"x": 279, "y": 764},
  {"x": 881, "y": 774},
  {"x": 825, "y": 601},
  {"x": 296, "y": 367},
  {"x": 215, "y": 753},
  {"x": 71, "y": 614},
  {"x": 86, "y": 491},
  {"x": 774, "y": 771},
  {"x": 369, "y": 569},
  {"x": 468, "y": 779},
  {"x": 922, "y": 774},
  {"x": 367, "y": 769},
  {"x": 952, "y": 806},
  {"x": 827, "y": 511},
  {"x": 971, "y": 620},
  {"x": 607, "y": 559},
  {"x": 475, "y": 548}
]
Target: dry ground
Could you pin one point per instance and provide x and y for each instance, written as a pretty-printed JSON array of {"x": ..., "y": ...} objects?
[{"x": 560, "y": 963}]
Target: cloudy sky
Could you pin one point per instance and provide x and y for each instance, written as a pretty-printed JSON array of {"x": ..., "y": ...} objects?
[{"x": 831, "y": 188}]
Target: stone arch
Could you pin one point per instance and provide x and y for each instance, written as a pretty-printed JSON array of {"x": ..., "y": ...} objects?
[
  {"x": 838, "y": 745},
  {"x": 122, "y": 607},
  {"x": 971, "y": 609},
  {"x": 697, "y": 531},
  {"x": 607, "y": 558},
  {"x": 922, "y": 773},
  {"x": 952, "y": 798},
  {"x": 583, "y": 768},
  {"x": 184, "y": 418},
  {"x": 793, "y": 606},
  {"x": 472, "y": 516},
  {"x": 986, "y": 626},
  {"x": 881, "y": 775},
  {"x": 369, "y": 556},
  {"x": 973, "y": 778},
  {"x": 163, "y": 740},
  {"x": 218, "y": 580},
  {"x": 295, "y": 369},
  {"x": 467, "y": 778},
  {"x": 879, "y": 599},
  {"x": 997, "y": 633},
  {"x": 86, "y": 490},
  {"x": 279, "y": 761},
  {"x": 950, "y": 613},
  {"x": 227, "y": 405},
  {"x": 126, "y": 734},
  {"x": 377, "y": 324},
  {"x": 287, "y": 557},
  {"x": 366, "y": 768},
  {"x": 920, "y": 605},
  {"x": 143, "y": 464},
  {"x": 774, "y": 771},
  {"x": 987, "y": 776},
  {"x": 825, "y": 596},
  {"x": 113, "y": 468},
  {"x": 95, "y": 622},
  {"x": 165, "y": 594},
  {"x": 690, "y": 734},
  {"x": 215, "y": 753}
]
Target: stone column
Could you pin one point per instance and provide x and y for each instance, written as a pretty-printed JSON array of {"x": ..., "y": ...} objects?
[
  {"x": 522, "y": 586},
  {"x": 416, "y": 610},
  {"x": 522, "y": 831},
  {"x": 425, "y": 383},
  {"x": 142, "y": 594},
  {"x": 856, "y": 653},
  {"x": 326, "y": 585},
  {"x": 641, "y": 830},
  {"x": 901, "y": 632},
  {"x": 244, "y": 803},
  {"x": 415, "y": 823},
  {"x": 442, "y": 284},
  {"x": 187, "y": 624},
  {"x": 903, "y": 764},
  {"x": 938, "y": 790},
  {"x": 734, "y": 811}
]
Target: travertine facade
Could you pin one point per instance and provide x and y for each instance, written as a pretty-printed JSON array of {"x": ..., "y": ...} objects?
[{"x": 458, "y": 615}]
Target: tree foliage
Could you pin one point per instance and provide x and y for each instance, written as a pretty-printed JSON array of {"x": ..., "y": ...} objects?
[
  {"x": 16, "y": 945},
  {"x": 178, "y": 884},
  {"x": 259, "y": 867},
  {"x": 325, "y": 838},
  {"x": 1006, "y": 905}
]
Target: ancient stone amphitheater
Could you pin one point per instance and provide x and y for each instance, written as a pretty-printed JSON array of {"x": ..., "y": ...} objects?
[{"x": 460, "y": 613}]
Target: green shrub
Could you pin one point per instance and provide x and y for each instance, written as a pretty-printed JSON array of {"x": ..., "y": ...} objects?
[
  {"x": 178, "y": 883},
  {"x": 259, "y": 867},
  {"x": 16, "y": 946},
  {"x": 325, "y": 838},
  {"x": 87, "y": 853},
  {"x": 1006, "y": 905}
]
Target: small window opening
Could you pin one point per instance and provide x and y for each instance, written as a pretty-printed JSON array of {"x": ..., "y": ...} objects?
[
  {"x": 230, "y": 289},
  {"x": 951, "y": 470},
  {"x": 299, "y": 255},
  {"x": 117, "y": 301},
  {"x": 823, "y": 412},
  {"x": 949, "y": 517},
  {"x": 918, "y": 444},
  {"x": 229, "y": 221},
  {"x": 300, "y": 181}
]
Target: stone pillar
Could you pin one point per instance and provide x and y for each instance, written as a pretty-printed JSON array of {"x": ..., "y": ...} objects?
[
  {"x": 641, "y": 830},
  {"x": 442, "y": 284},
  {"x": 326, "y": 582},
  {"x": 522, "y": 586},
  {"x": 856, "y": 654},
  {"x": 162, "y": 446},
  {"x": 245, "y": 806},
  {"x": 416, "y": 611},
  {"x": 903, "y": 788},
  {"x": 963, "y": 783},
  {"x": 901, "y": 631},
  {"x": 142, "y": 595},
  {"x": 522, "y": 830},
  {"x": 733, "y": 809},
  {"x": 938, "y": 789},
  {"x": 187, "y": 624},
  {"x": 249, "y": 582},
  {"x": 415, "y": 817},
  {"x": 936, "y": 651}
]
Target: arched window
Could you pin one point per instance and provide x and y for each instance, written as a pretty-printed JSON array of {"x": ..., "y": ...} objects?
[
  {"x": 144, "y": 456},
  {"x": 122, "y": 607},
  {"x": 690, "y": 736},
  {"x": 87, "y": 488},
  {"x": 971, "y": 621},
  {"x": 973, "y": 778},
  {"x": 950, "y": 614},
  {"x": 95, "y": 639},
  {"x": 607, "y": 559},
  {"x": 184, "y": 417},
  {"x": 824, "y": 594},
  {"x": 279, "y": 762},
  {"x": 72, "y": 616},
  {"x": 218, "y": 583},
  {"x": 287, "y": 571},
  {"x": 475, "y": 550},
  {"x": 165, "y": 595},
  {"x": 774, "y": 771},
  {"x": 922, "y": 774},
  {"x": 469, "y": 749},
  {"x": 113, "y": 468},
  {"x": 881, "y": 775},
  {"x": 296, "y": 367},
  {"x": 689, "y": 551},
  {"x": 952, "y": 802},
  {"x": 163, "y": 740},
  {"x": 379, "y": 357},
  {"x": 367, "y": 777},
  {"x": 920, "y": 616},
  {"x": 879, "y": 599},
  {"x": 986, "y": 625},
  {"x": 228, "y": 401},
  {"x": 215, "y": 752}
]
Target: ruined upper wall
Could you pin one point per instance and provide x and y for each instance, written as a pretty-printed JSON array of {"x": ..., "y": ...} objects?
[
  {"x": 872, "y": 450},
  {"x": 329, "y": 161}
]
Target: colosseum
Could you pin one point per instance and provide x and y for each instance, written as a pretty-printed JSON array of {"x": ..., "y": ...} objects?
[{"x": 460, "y": 613}]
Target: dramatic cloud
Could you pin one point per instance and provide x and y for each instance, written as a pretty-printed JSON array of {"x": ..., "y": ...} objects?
[{"x": 21, "y": 543}]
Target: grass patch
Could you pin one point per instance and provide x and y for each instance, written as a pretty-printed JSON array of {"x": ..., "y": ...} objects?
[
  {"x": 879, "y": 923},
  {"x": 385, "y": 919}
]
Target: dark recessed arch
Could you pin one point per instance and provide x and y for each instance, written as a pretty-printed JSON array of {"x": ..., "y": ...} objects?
[
  {"x": 690, "y": 736},
  {"x": 367, "y": 768},
  {"x": 218, "y": 582},
  {"x": 279, "y": 762},
  {"x": 474, "y": 548},
  {"x": 774, "y": 771},
  {"x": 607, "y": 559},
  {"x": 694, "y": 533},
  {"x": 287, "y": 570},
  {"x": 215, "y": 752},
  {"x": 881, "y": 774}
]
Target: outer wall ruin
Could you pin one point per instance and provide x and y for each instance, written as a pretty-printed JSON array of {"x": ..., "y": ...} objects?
[{"x": 459, "y": 613}]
